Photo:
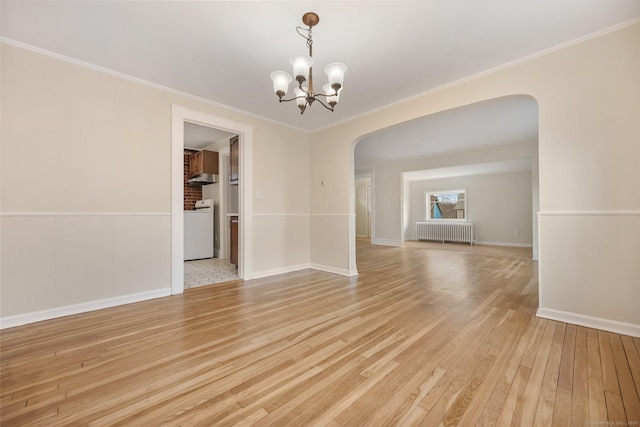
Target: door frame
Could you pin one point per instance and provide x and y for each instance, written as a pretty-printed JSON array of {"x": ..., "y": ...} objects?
[{"x": 179, "y": 115}]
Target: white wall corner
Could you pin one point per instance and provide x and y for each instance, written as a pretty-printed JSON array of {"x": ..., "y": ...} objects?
[
  {"x": 329, "y": 269},
  {"x": 590, "y": 321},
  {"x": 38, "y": 316}
]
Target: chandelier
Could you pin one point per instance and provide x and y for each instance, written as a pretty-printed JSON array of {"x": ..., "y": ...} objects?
[{"x": 303, "y": 72}]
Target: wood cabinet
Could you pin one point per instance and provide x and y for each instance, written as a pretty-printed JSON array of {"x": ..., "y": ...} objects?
[
  {"x": 233, "y": 240},
  {"x": 234, "y": 161},
  {"x": 203, "y": 162}
]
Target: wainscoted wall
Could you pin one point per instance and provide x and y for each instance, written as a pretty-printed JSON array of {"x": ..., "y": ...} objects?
[
  {"x": 274, "y": 232},
  {"x": 590, "y": 275},
  {"x": 59, "y": 264},
  {"x": 332, "y": 231},
  {"x": 294, "y": 231}
]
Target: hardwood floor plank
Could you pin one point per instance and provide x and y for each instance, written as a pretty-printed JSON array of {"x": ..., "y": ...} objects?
[
  {"x": 357, "y": 393},
  {"x": 502, "y": 338},
  {"x": 633, "y": 357},
  {"x": 549, "y": 386},
  {"x": 562, "y": 408},
  {"x": 496, "y": 401},
  {"x": 534, "y": 385},
  {"x": 565, "y": 376},
  {"x": 523, "y": 343},
  {"x": 630, "y": 396},
  {"x": 615, "y": 409},
  {"x": 580, "y": 390},
  {"x": 512, "y": 409},
  {"x": 597, "y": 404},
  {"x": 609, "y": 376},
  {"x": 427, "y": 334},
  {"x": 468, "y": 393}
]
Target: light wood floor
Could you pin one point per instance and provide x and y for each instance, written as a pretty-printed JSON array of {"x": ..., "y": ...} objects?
[{"x": 429, "y": 334}]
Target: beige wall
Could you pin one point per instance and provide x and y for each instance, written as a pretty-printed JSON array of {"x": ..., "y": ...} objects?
[
  {"x": 498, "y": 204},
  {"x": 82, "y": 151},
  {"x": 101, "y": 149},
  {"x": 589, "y": 98},
  {"x": 387, "y": 186}
]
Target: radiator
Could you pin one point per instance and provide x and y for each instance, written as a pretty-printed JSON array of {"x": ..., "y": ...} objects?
[{"x": 445, "y": 231}]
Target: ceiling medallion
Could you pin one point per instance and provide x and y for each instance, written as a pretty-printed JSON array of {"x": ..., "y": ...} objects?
[{"x": 303, "y": 72}]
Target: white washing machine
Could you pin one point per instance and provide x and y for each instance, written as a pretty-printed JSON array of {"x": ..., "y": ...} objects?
[{"x": 198, "y": 231}]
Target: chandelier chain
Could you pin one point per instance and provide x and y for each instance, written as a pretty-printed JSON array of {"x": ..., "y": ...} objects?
[{"x": 308, "y": 36}]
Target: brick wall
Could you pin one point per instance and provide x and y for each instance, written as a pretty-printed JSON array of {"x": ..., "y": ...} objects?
[{"x": 192, "y": 193}]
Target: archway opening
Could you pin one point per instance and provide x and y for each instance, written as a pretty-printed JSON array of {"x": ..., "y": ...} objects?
[{"x": 489, "y": 150}]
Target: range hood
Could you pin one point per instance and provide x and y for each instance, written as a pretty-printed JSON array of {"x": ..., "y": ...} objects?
[{"x": 203, "y": 179}]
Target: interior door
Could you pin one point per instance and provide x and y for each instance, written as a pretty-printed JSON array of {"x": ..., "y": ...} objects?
[{"x": 363, "y": 208}]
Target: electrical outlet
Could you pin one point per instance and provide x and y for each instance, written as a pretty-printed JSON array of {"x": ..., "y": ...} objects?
[{"x": 516, "y": 232}]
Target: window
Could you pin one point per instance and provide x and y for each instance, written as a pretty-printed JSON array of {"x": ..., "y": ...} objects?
[{"x": 447, "y": 205}]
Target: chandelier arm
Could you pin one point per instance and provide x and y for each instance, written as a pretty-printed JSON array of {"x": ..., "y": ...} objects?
[
  {"x": 293, "y": 99},
  {"x": 322, "y": 103}
]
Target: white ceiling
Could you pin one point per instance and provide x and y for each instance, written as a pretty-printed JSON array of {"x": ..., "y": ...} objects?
[
  {"x": 511, "y": 165},
  {"x": 501, "y": 121},
  {"x": 197, "y": 137},
  {"x": 224, "y": 51}
]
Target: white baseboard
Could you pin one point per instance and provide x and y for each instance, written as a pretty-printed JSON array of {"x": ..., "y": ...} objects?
[
  {"x": 386, "y": 242},
  {"x": 282, "y": 270},
  {"x": 590, "y": 322},
  {"x": 340, "y": 271},
  {"x": 515, "y": 245},
  {"x": 38, "y": 316}
]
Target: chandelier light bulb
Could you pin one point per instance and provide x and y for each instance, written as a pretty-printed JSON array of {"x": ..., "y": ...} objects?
[
  {"x": 335, "y": 72},
  {"x": 301, "y": 64},
  {"x": 301, "y": 98},
  {"x": 281, "y": 82},
  {"x": 332, "y": 95}
]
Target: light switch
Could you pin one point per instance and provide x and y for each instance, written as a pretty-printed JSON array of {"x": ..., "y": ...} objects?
[{"x": 258, "y": 195}]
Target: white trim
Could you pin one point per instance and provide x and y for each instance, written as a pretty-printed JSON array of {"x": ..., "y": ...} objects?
[
  {"x": 485, "y": 72},
  {"x": 19, "y": 214},
  {"x": 515, "y": 245},
  {"x": 179, "y": 115},
  {"x": 282, "y": 270},
  {"x": 386, "y": 242},
  {"x": 141, "y": 81},
  {"x": 281, "y": 214},
  {"x": 535, "y": 255},
  {"x": 348, "y": 119},
  {"x": 38, "y": 316},
  {"x": 588, "y": 213},
  {"x": 590, "y": 321},
  {"x": 334, "y": 270}
]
